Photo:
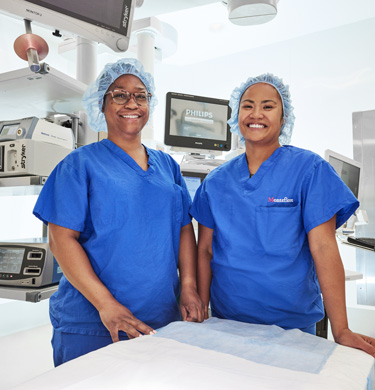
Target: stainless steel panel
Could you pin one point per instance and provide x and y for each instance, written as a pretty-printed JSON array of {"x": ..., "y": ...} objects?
[{"x": 364, "y": 152}]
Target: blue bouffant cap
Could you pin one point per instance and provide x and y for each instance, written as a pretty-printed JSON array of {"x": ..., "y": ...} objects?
[
  {"x": 281, "y": 88},
  {"x": 93, "y": 98}
]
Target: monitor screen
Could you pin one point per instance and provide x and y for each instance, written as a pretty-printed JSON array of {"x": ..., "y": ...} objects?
[
  {"x": 193, "y": 180},
  {"x": 197, "y": 122},
  {"x": 9, "y": 129},
  {"x": 11, "y": 260},
  {"x": 106, "y": 14},
  {"x": 108, "y": 22},
  {"x": 349, "y": 170}
]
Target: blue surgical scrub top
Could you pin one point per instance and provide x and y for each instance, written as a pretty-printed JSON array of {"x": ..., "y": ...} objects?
[
  {"x": 129, "y": 222},
  {"x": 262, "y": 268}
]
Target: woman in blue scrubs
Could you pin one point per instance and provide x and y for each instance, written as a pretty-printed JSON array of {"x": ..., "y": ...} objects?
[
  {"x": 267, "y": 250},
  {"x": 119, "y": 225}
]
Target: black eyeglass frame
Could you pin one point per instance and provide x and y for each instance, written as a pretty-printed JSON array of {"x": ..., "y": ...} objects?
[{"x": 130, "y": 95}]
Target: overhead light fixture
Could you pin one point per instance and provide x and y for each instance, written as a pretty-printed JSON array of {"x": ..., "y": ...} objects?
[{"x": 251, "y": 12}]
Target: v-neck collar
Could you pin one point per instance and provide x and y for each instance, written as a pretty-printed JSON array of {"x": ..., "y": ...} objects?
[
  {"x": 253, "y": 182},
  {"x": 120, "y": 153}
]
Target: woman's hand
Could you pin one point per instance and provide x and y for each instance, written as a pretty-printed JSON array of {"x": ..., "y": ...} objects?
[
  {"x": 78, "y": 270},
  {"x": 191, "y": 306},
  {"x": 355, "y": 340},
  {"x": 331, "y": 276},
  {"x": 116, "y": 317}
]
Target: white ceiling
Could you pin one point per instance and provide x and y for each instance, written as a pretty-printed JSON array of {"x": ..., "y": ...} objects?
[{"x": 204, "y": 31}]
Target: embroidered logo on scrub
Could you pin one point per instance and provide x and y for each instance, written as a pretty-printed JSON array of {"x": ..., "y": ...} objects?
[{"x": 283, "y": 200}]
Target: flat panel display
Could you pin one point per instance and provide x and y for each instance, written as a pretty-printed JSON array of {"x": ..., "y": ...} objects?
[
  {"x": 107, "y": 14},
  {"x": 104, "y": 21},
  {"x": 193, "y": 180},
  {"x": 348, "y": 173},
  {"x": 9, "y": 129},
  {"x": 197, "y": 122},
  {"x": 348, "y": 169},
  {"x": 11, "y": 260},
  {"x": 192, "y": 184}
]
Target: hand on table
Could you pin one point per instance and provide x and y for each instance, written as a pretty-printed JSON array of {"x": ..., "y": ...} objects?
[
  {"x": 356, "y": 340},
  {"x": 191, "y": 306},
  {"x": 116, "y": 317}
]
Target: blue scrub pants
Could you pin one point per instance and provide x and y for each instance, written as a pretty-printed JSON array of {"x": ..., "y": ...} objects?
[
  {"x": 311, "y": 329},
  {"x": 68, "y": 346}
]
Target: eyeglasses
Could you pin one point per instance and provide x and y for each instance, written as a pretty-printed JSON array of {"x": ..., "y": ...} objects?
[{"x": 122, "y": 97}]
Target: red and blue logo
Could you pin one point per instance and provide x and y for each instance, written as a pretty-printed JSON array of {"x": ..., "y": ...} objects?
[{"x": 280, "y": 200}]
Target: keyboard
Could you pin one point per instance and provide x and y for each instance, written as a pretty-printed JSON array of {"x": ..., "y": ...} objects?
[{"x": 365, "y": 242}]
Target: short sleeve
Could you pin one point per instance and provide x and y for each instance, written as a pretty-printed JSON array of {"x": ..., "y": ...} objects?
[
  {"x": 200, "y": 209},
  {"x": 186, "y": 203},
  {"x": 326, "y": 195},
  {"x": 186, "y": 199},
  {"x": 63, "y": 200}
]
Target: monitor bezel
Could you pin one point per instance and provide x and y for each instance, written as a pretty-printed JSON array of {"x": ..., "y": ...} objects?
[
  {"x": 199, "y": 175},
  {"x": 193, "y": 142},
  {"x": 330, "y": 153},
  {"x": 117, "y": 38},
  {"x": 341, "y": 157}
]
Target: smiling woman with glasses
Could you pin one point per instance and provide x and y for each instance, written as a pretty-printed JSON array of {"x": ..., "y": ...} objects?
[{"x": 119, "y": 225}]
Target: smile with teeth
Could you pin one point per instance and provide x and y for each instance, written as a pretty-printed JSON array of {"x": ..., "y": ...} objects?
[
  {"x": 256, "y": 126},
  {"x": 130, "y": 116}
]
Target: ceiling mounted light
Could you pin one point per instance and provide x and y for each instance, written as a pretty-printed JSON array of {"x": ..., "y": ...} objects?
[{"x": 250, "y": 12}]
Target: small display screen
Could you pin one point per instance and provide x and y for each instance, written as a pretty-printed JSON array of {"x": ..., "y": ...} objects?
[
  {"x": 348, "y": 173},
  {"x": 11, "y": 260},
  {"x": 197, "y": 119},
  {"x": 192, "y": 184},
  {"x": 110, "y": 14},
  {"x": 9, "y": 129}
]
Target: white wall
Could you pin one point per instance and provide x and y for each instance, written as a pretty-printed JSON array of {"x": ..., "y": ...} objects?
[{"x": 331, "y": 74}]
